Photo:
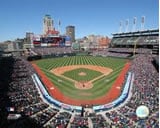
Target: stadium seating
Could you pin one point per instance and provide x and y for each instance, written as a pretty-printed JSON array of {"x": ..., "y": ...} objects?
[{"x": 24, "y": 97}]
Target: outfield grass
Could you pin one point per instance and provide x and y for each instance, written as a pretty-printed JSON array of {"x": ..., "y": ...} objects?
[{"x": 100, "y": 86}]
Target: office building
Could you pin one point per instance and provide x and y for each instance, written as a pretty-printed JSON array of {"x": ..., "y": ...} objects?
[
  {"x": 70, "y": 31},
  {"x": 48, "y": 24}
]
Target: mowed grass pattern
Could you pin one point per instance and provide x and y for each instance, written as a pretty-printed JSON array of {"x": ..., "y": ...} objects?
[
  {"x": 87, "y": 74},
  {"x": 100, "y": 86}
]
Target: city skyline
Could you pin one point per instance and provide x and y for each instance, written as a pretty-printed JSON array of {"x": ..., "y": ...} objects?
[{"x": 99, "y": 17}]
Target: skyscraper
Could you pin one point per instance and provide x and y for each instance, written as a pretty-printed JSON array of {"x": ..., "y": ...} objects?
[
  {"x": 70, "y": 31},
  {"x": 48, "y": 24}
]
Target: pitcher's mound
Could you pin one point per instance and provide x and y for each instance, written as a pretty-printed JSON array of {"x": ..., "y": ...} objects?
[{"x": 83, "y": 85}]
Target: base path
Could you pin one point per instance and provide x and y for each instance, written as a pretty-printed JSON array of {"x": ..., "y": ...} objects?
[
  {"x": 84, "y": 84},
  {"x": 61, "y": 70},
  {"x": 113, "y": 93}
]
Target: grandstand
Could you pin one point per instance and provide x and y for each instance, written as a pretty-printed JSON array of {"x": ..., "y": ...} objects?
[
  {"x": 137, "y": 40},
  {"x": 23, "y": 91}
]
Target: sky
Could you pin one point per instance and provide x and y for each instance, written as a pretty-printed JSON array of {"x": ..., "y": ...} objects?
[{"x": 98, "y": 17}]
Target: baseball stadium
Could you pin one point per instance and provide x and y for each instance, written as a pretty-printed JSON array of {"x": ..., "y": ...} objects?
[{"x": 67, "y": 86}]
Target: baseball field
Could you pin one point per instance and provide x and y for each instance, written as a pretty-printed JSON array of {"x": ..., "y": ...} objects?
[{"x": 82, "y": 78}]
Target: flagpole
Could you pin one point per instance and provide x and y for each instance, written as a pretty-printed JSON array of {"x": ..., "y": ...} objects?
[
  {"x": 59, "y": 24},
  {"x": 134, "y": 24},
  {"x": 127, "y": 23},
  {"x": 120, "y": 27},
  {"x": 142, "y": 23}
]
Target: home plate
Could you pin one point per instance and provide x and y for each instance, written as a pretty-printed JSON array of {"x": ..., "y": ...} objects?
[{"x": 52, "y": 88}]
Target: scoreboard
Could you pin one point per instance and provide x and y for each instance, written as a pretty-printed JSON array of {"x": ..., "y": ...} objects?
[{"x": 58, "y": 41}]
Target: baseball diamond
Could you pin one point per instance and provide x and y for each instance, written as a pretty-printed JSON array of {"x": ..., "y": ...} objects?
[{"x": 82, "y": 78}]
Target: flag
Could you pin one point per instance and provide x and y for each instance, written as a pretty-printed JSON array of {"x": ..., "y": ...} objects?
[
  {"x": 134, "y": 20},
  {"x": 127, "y": 22},
  {"x": 120, "y": 23},
  {"x": 143, "y": 19}
]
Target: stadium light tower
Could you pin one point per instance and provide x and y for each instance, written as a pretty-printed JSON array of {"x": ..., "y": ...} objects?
[
  {"x": 134, "y": 24},
  {"x": 142, "y": 23}
]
